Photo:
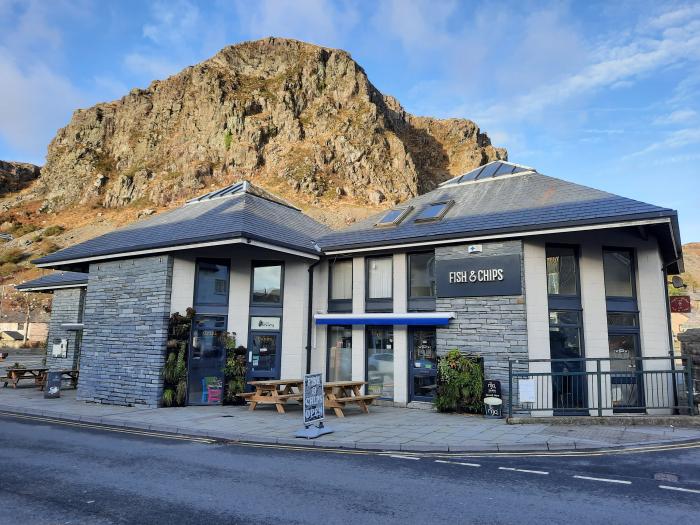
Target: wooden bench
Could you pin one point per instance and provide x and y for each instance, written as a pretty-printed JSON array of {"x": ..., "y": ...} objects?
[
  {"x": 274, "y": 392},
  {"x": 340, "y": 393},
  {"x": 15, "y": 375}
]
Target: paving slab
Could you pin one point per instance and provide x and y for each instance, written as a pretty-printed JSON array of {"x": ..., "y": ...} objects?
[{"x": 385, "y": 428}]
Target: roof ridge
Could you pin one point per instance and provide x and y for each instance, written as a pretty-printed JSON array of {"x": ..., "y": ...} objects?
[{"x": 244, "y": 187}]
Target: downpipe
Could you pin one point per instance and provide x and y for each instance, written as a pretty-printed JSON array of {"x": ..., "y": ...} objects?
[{"x": 310, "y": 315}]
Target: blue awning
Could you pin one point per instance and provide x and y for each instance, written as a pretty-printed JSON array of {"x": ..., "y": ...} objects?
[{"x": 411, "y": 319}]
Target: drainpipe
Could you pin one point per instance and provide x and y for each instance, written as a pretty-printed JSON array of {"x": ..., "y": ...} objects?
[
  {"x": 310, "y": 315},
  {"x": 671, "y": 353}
]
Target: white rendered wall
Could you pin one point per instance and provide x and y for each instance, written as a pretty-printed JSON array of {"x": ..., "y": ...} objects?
[
  {"x": 239, "y": 298},
  {"x": 358, "y": 331},
  {"x": 319, "y": 344},
  {"x": 182, "y": 292},
  {"x": 400, "y": 331},
  {"x": 295, "y": 305}
]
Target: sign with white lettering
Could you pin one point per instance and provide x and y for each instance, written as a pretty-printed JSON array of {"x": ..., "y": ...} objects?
[
  {"x": 313, "y": 399},
  {"x": 479, "y": 276}
]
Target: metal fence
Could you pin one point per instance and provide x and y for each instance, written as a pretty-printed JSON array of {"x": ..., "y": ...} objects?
[{"x": 600, "y": 387}]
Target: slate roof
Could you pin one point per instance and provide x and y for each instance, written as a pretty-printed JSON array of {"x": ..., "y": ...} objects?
[
  {"x": 239, "y": 214},
  {"x": 16, "y": 336},
  {"x": 56, "y": 279},
  {"x": 524, "y": 201}
]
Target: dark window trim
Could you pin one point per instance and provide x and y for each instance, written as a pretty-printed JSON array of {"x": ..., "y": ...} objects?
[
  {"x": 339, "y": 305},
  {"x": 259, "y": 264},
  {"x": 383, "y": 304},
  {"x": 421, "y": 303},
  {"x": 560, "y": 301},
  {"x": 614, "y": 329},
  {"x": 278, "y": 358},
  {"x": 328, "y": 349},
  {"x": 404, "y": 213},
  {"x": 195, "y": 304},
  {"x": 448, "y": 205},
  {"x": 633, "y": 254}
]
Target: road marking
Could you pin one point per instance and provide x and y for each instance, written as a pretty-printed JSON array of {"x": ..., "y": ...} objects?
[
  {"x": 679, "y": 489},
  {"x": 396, "y": 456},
  {"x": 457, "y": 463},
  {"x": 606, "y": 480},
  {"x": 542, "y": 472}
]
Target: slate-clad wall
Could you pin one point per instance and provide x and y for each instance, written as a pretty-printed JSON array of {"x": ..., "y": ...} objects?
[
  {"x": 493, "y": 327},
  {"x": 126, "y": 327},
  {"x": 66, "y": 307}
]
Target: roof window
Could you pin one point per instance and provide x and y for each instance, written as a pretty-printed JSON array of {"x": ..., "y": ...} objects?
[
  {"x": 434, "y": 211},
  {"x": 393, "y": 217}
]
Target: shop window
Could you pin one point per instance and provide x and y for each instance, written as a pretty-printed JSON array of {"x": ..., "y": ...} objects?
[
  {"x": 619, "y": 273},
  {"x": 562, "y": 271},
  {"x": 340, "y": 285},
  {"x": 566, "y": 346},
  {"x": 380, "y": 361},
  {"x": 379, "y": 286},
  {"x": 339, "y": 359},
  {"x": 212, "y": 283},
  {"x": 421, "y": 281},
  {"x": 267, "y": 284}
]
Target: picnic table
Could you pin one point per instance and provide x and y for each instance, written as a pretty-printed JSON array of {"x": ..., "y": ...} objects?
[
  {"x": 340, "y": 393},
  {"x": 274, "y": 392},
  {"x": 15, "y": 375},
  {"x": 70, "y": 374}
]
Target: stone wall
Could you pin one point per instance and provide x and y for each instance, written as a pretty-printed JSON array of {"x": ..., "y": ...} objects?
[
  {"x": 493, "y": 327},
  {"x": 690, "y": 349},
  {"x": 126, "y": 326},
  {"x": 66, "y": 307}
]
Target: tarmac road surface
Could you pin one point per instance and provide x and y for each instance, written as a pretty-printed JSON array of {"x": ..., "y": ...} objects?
[{"x": 64, "y": 473}]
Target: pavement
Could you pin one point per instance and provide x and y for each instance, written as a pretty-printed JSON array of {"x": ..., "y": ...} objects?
[
  {"x": 385, "y": 428},
  {"x": 66, "y": 473}
]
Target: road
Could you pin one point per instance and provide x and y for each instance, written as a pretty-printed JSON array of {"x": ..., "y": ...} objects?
[{"x": 63, "y": 473}]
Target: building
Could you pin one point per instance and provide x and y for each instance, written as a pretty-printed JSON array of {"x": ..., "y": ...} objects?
[{"x": 501, "y": 262}]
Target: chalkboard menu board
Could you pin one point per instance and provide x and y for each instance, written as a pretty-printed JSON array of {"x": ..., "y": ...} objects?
[
  {"x": 493, "y": 403},
  {"x": 313, "y": 399},
  {"x": 53, "y": 385}
]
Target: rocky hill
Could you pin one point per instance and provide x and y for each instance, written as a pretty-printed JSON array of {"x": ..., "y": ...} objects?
[
  {"x": 15, "y": 176},
  {"x": 300, "y": 120},
  {"x": 281, "y": 112}
]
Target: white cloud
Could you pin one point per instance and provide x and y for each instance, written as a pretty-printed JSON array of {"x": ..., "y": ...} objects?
[
  {"x": 675, "y": 140},
  {"x": 151, "y": 66},
  {"x": 34, "y": 102},
  {"x": 172, "y": 22},
  {"x": 680, "y": 116}
]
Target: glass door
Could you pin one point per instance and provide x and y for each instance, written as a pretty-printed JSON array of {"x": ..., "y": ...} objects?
[
  {"x": 626, "y": 375},
  {"x": 422, "y": 364},
  {"x": 206, "y": 360},
  {"x": 380, "y": 361},
  {"x": 264, "y": 356}
]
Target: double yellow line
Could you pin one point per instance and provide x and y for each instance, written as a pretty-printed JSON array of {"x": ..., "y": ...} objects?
[{"x": 302, "y": 448}]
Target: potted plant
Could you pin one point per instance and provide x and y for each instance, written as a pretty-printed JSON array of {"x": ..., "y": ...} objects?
[{"x": 460, "y": 383}]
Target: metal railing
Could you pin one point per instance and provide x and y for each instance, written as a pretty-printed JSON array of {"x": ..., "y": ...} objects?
[{"x": 601, "y": 386}]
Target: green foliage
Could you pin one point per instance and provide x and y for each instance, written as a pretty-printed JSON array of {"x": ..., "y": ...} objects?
[
  {"x": 234, "y": 371},
  {"x": 460, "y": 383},
  {"x": 23, "y": 229},
  {"x": 7, "y": 269},
  {"x": 228, "y": 139},
  {"x": 168, "y": 397},
  {"x": 12, "y": 256},
  {"x": 175, "y": 368},
  {"x": 53, "y": 230}
]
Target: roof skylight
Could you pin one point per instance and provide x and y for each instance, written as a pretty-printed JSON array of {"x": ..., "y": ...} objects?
[
  {"x": 393, "y": 217},
  {"x": 490, "y": 171},
  {"x": 434, "y": 211}
]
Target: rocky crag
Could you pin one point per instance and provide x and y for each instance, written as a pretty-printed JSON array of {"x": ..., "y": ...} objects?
[
  {"x": 15, "y": 176},
  {"x": 298, "y": 119}
]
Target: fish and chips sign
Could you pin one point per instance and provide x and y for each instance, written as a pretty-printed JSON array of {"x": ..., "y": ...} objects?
[
  {"x": 479, "y": 276},
  {"x": 314, "y": 408}
]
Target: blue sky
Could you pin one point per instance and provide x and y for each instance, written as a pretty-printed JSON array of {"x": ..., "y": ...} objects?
[{"x": 602, "y": 93}]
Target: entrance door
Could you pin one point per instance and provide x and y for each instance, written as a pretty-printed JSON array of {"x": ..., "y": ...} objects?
[
  {"x": 264, "y": 355},
  {"x": 422, "y": 364},
  {"x": 625, "y": 368},
  {"x": 206, "y": 360}
]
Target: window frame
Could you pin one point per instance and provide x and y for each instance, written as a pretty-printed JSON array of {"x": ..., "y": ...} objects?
[
  {"x": 404, "y": 213},
  {"x": 340, "y": 305},
  {"x": 621, "y": 303},
  {"x": 383, "y": 304},
  {"x": 419, "y": 303},
  {"x": 447, "y": 206},
  {"x": 328, "y": 348},
  {"x": 260, "y": 264},
  {"x": 206, "y": 307},
  {"x": 565, "y": 301},
  {"x": 388, "y": 328}
]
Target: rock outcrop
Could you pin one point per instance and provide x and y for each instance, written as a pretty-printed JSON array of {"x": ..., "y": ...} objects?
[
  {"x": 15, "y": 176},
  {"x": 284, "y": 113}
]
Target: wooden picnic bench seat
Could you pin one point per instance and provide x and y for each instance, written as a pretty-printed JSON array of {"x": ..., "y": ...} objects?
[
  {"x": 350, "y": 399},
  {"x": 245, "y": 395}
]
